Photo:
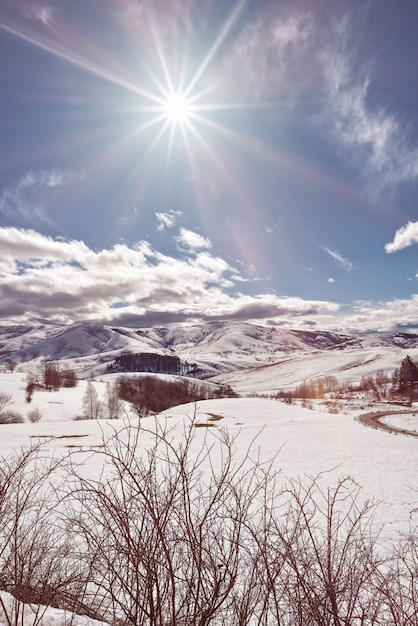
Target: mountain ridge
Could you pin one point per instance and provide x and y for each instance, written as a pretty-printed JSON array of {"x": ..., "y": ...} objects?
[{"x": 214, "y": 347}]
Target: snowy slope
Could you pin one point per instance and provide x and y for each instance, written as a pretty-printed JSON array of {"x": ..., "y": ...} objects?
[
  {"x": 348, "y": 366},
  {"x": 249, "y": 357},
  {"x": 84, "y": 342}
]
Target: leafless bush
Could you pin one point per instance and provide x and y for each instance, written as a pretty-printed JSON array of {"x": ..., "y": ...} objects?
[
  {"x": 169, "y": 544},
  {"x": 34, "y": 415},
  {"x": 5, "y": 400},
  {"x": 11, "y": 417},
  {"x": 398, "y": 583},
  {"x": 331, "y": 561},
  {"x": 7, "y": 415},
  {"x": 176, "y": 530},
  {"x": 36, "y": 565}
]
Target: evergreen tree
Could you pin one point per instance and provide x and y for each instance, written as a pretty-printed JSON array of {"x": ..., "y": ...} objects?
[{"x": 408, "y": 374}]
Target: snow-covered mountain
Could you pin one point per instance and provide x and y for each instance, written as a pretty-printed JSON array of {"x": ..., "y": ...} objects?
[{"x": 246, "y": 356}]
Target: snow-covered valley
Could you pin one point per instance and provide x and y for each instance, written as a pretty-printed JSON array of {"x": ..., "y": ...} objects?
[{"x": 304, "y": 443}]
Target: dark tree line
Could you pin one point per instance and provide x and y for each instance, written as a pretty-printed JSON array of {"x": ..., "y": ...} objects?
[
  {"x": 150, "y": 362},
  {"x": 51, "y": 376},
  {"x": 150, "y": 394},
  {"x": 168, "y": 533}
]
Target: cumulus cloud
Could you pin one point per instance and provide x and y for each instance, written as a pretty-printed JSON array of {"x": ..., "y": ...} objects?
[
  {"x": 406, "y": 236},
  {"x": 45, "y": 279},
  {"x": 395, "y": 315},
  {"x": 192, "y": 240},
  {"x": 27, "y": 196},
  {"x": 347, "y": 265}
]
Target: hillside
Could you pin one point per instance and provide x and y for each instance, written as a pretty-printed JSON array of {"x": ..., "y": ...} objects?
[{"x": 248, "y": 357}]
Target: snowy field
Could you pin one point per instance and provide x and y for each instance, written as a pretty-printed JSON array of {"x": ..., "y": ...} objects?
[{"x": 306, "y": 442}]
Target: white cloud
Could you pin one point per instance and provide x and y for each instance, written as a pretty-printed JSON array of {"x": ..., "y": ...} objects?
[
  {"x": 384, "y": 316},
  {"x": 43, "y": 13},
  {"x": 331, "y": 280},
  {"x": 46, "y": 280},
  {"x": 371, "y": 135},
  {"x": 167, "y": 219},
  {"x": 192, "y": 240},
  {"x": 25, "y": 245},
  {"x": 268, "y": 56},
  {"x": 50, "y": 280},
  {"x": 406, "y": 236},
  {"x": 27, "y": 196},
  {"x": 347, "y": 265}
]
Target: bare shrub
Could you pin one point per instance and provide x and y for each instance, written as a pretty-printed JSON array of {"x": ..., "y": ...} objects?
[
  {"x": 397, "y": 584},
  {"x": 331, "y": 562},
  {"x": 185, "y": 529},
  {"x": 34, "y": 415},
  {"x": 11, "y": 417},
  {"x": 5, "y": 400},
  {"x": 168, "y": 545},
  {"x": 36, "y": 562}
]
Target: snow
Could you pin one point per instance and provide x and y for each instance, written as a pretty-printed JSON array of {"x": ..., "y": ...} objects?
[
  {"x": 43, "y": 616},
  {"x": 228, "y": 347},
  {"x": 54, "y": 406},
  {"x": 307, "y": 442},
  {"x": 303, "y": 442},
  {"x": 348, "y": 366},
  {"x": 407, "y": 422}
]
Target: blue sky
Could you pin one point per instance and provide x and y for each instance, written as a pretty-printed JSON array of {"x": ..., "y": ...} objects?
[{"x": 184, "y": 161}]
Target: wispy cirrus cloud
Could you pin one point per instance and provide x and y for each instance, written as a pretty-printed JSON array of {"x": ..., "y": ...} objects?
[
  {"x": 342, "y": 261},
  {"x": 404, "y": 237},
  {"x": 27, "y": 197},
  {"x": 266, "y": 59},
  {"x": 269, "y": 59},
  {"x": 42, "y": 12},
  {"x": 42, "y": 278},
  {"x": 372, "y": 137}
]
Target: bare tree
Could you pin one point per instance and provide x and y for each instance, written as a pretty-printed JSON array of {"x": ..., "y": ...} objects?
[
  {"x": 112, "y": 401},
  {"x": 91, "y": 404}
]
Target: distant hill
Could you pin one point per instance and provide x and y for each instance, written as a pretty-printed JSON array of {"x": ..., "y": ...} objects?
[{"x": 269, "y": 356}]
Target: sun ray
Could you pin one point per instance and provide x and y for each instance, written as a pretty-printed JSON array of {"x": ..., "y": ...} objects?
[
  {"x": 81, "y": 62},
  {"x": 229, "y": 22}
]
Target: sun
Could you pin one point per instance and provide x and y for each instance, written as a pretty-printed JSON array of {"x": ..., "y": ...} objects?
[{"x": 177, "y": 108}]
